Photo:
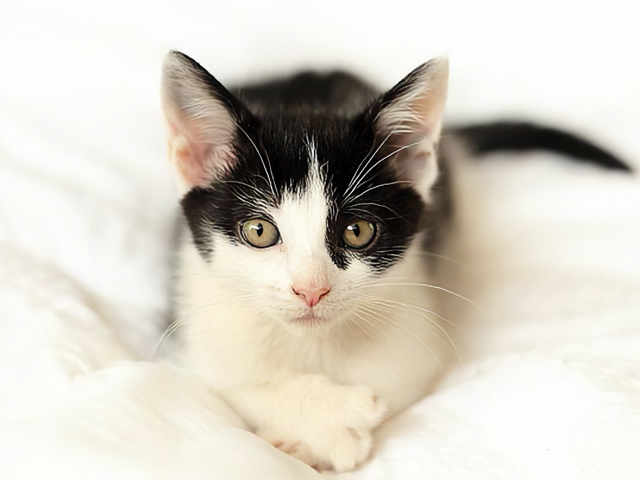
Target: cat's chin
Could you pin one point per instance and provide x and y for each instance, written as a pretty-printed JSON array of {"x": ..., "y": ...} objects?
[{"x": 311, "y": 319}]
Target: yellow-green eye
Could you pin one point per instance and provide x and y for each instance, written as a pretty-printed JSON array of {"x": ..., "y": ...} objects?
[
  {"x": 259, "y": 233},
  {"x": 359, "y": 234}
]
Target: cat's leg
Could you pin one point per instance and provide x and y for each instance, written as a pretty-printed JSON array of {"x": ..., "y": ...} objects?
[{"x": 322, "y": 423}]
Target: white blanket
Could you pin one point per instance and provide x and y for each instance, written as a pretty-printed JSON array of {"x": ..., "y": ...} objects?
[{"x": 548, "y": 385}]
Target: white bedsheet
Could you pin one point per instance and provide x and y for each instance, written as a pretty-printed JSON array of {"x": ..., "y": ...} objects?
[{"x": 548, "y": 385}]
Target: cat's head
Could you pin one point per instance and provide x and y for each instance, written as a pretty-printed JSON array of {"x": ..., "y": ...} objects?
[{"x": 301, "y": 212}]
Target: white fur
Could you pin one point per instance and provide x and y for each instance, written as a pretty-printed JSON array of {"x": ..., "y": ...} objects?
[{"x": 315, "y": 390}]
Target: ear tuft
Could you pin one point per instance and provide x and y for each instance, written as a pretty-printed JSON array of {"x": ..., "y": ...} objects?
[
  {"x": 408, "y": 119},
  {"x": 202, "y": 118},
  {"x": 416, "y": 104}
]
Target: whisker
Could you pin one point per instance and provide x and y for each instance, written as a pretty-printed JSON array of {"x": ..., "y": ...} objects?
[
  {"x": 167, "y": 333},
  {"x": 394, "y": 302},
  {"x": 373, "y": 204},
  {"x": 244, "y": 184},
  {"x": 366, "y": 212},
  {"x": 412, "y": 334},
  {"x": 444, "y": 257},
  {"x": 218, "y": 302},
  {"x": 347, "y": 324},
  {"x": 364, "y": 164},
  {"x": 387, "y": 156},
  {"x": 370, "y": 189},
  {"x": 373, "y": 325},
  {"x": 452, "y": 346},
  {"x": 270, "y": 180},
  {"x": 368, "y": 334},
  {"x": 410, "y": 284}
]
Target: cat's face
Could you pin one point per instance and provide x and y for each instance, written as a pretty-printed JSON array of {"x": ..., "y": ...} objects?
[{"x": 302, "y": 213}]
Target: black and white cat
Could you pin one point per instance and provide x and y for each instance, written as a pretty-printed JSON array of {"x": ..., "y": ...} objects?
[{"x": 314, "y": 206}]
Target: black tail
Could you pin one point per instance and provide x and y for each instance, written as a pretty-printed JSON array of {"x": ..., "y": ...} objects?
[{"x": 520, "y": 136}]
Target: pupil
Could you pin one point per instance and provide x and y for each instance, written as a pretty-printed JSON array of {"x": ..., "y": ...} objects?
[
  {"x": 258, "y": 229},
  {"x": 355, "y": 228}
]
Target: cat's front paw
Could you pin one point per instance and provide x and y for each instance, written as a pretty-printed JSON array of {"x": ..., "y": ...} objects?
[{"x": 336, "y": 435}]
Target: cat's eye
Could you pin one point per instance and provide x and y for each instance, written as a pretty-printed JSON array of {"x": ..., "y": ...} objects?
[
  {"x": 359, "y": 234},
  {"x": 259, "y": 233}
]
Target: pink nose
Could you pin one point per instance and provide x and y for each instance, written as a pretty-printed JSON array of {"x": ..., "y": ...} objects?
[{"x": 311, "y": 295}]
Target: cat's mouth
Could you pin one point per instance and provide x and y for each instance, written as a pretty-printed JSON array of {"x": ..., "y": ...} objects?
[{"x": 310, "y": 319}]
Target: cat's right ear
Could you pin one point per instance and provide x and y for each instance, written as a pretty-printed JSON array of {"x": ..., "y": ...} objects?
[{"x": 203, "y": 119}]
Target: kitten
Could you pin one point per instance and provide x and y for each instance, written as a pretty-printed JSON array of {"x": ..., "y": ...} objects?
[{"x": 314, "y": 206}]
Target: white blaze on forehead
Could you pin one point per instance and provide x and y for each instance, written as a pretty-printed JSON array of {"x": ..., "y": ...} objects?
[{"x": 302, "y": 221}]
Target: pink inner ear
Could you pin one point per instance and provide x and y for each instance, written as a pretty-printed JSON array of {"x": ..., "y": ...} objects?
[
  {"x": 412, "y": 164},
  {"x": 199, "y": 152},
  {"x": 189, "y": 155},
  {"x": 192, "y": 164}
]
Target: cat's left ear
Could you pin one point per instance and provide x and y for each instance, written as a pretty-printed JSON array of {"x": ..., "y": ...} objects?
[
  {"x": 204, "y": 119},
  {"x": 408, "y": 119}
]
